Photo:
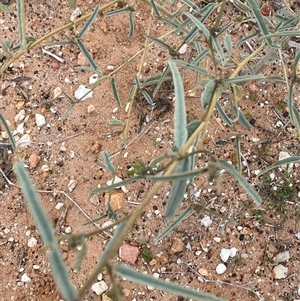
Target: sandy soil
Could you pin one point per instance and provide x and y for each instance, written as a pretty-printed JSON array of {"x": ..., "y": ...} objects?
[{"x": 70, "y": 149}]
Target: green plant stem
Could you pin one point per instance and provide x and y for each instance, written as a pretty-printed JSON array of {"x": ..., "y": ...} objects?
[
  {"x": 50, "y": 34},
  {"x": 220, "y": 14},
  {"x": 246, "y": 60}
]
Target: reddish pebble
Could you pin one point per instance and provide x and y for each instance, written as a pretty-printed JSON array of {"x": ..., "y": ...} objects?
[
  {"x": 129, "y": 253},
  {"x": 34, "y": 160},
  {"x": 55, "y": 65},
  {"x": 82, "y": 61}
]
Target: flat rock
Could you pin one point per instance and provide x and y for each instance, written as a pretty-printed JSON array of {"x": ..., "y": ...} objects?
[
  {"x": 116, "y": 200},
  {"x": 99, "y": 287},
  {"x": 177, "y": 246},
  {"x": 280, "y": 272},
  {"x": 282, "y": 257},
  {"x": 83, "y": 93},
  {"x": 129, "y": 253}
]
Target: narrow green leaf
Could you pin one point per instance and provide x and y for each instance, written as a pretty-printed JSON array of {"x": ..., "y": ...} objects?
[
  {"x": 7, "y": 45},
  {"x": 169, "y": 22},
  {"x": 108, "y": 162},
  {"x": 223, "y": 115},
  {"x": 192, "y": 126},
  {"x": 200, "y": 56},
  {"x": 206, "y": 11},
  {"x": 61, "y": 43},
  {"x": 172, "y": 52},
  {"x": 223, "y": 29},
  {"x": 282, "y": 34},
  {"x": 185, "y": 175},
  {"x": 116, "y": 185},
  {"x": 115, "y": 91},
  {"x": 219, "y": 49},
  {"x": 131, "y": 24},
  {"x": 153, "y": 80},
  {"x": 172, "y": 225},
  {"x": 191, "y": 67},
  {"x": 153, "y": 5},
  {"x": 243, "y": 182},
  {"x": 132, "y": 275},
  {"x": 238, "y": 152},
  {"x": 37, "y": 211},
  {"x": 200, "y": 25},
  {"x": 180, "y": 131},
  {"x": 148, "y": 98},
  {"x": 163, "y": 78},
  {"x": 61, "y": 274},
  {"x": 293, "y": 159},
  {"x": 246, "y": 38},
  {"x": 295, "y": 65},
  {"x": 246, "y": 78},
  {"x": 70, "y": 108},
  {"x": 192, "y": 5},
  {"x": 89, "y": 22},
  {"x": 72, "y": 4},
  {"x": 227, "y": 43},
  {"x": 177, "y": 191},
  {"x": 241, "y": 118},
  {"x": 87, "y": 55},
  {"x": 191, "y": 35},
  {"x": 119, "y": 11},
  {"x": 208, "y": 93},
  {"x": 8, "y": 131},
  {"x": 260, "y": 19},
  {"x": 21, "y": 24}
]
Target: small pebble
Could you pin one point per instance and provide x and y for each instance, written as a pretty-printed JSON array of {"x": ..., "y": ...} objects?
[
  {"x": 117, "y": 200},
  {"x": 129, "y": 253},
  {"x": 183, "y": 49},
  {"x": 282, "y": 257},
  {"x": 94, "y": 200},
  {"x": 96, "y": 147},
  {"x": 40, "y": 120},
  {"x": 177, "y": 246},
  {"x": 72, "y": 184},
  {"x": 32, "y": 242},
  {"x": 34, "y": 160},
  {"x": 110, "y": 67},
  {"x": 57, "y": 92},
  {"x": 91, "y": 108},
  {"x": 93, "y": 78},
  {"x": 206, "y": 222},
  {"x": 221, "y": 268},
  {"x": 68, "y": 230},
  {"x": 203, "y": 272},
  {"x": 82, "y": 61},
  {"x": 25, "y": 278},
  {"x": 83, "y": 93},
  {"x": 99, "y": 287},
  {"x": 20, "y": 116},
  {"x": 280, "y": 272}
]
